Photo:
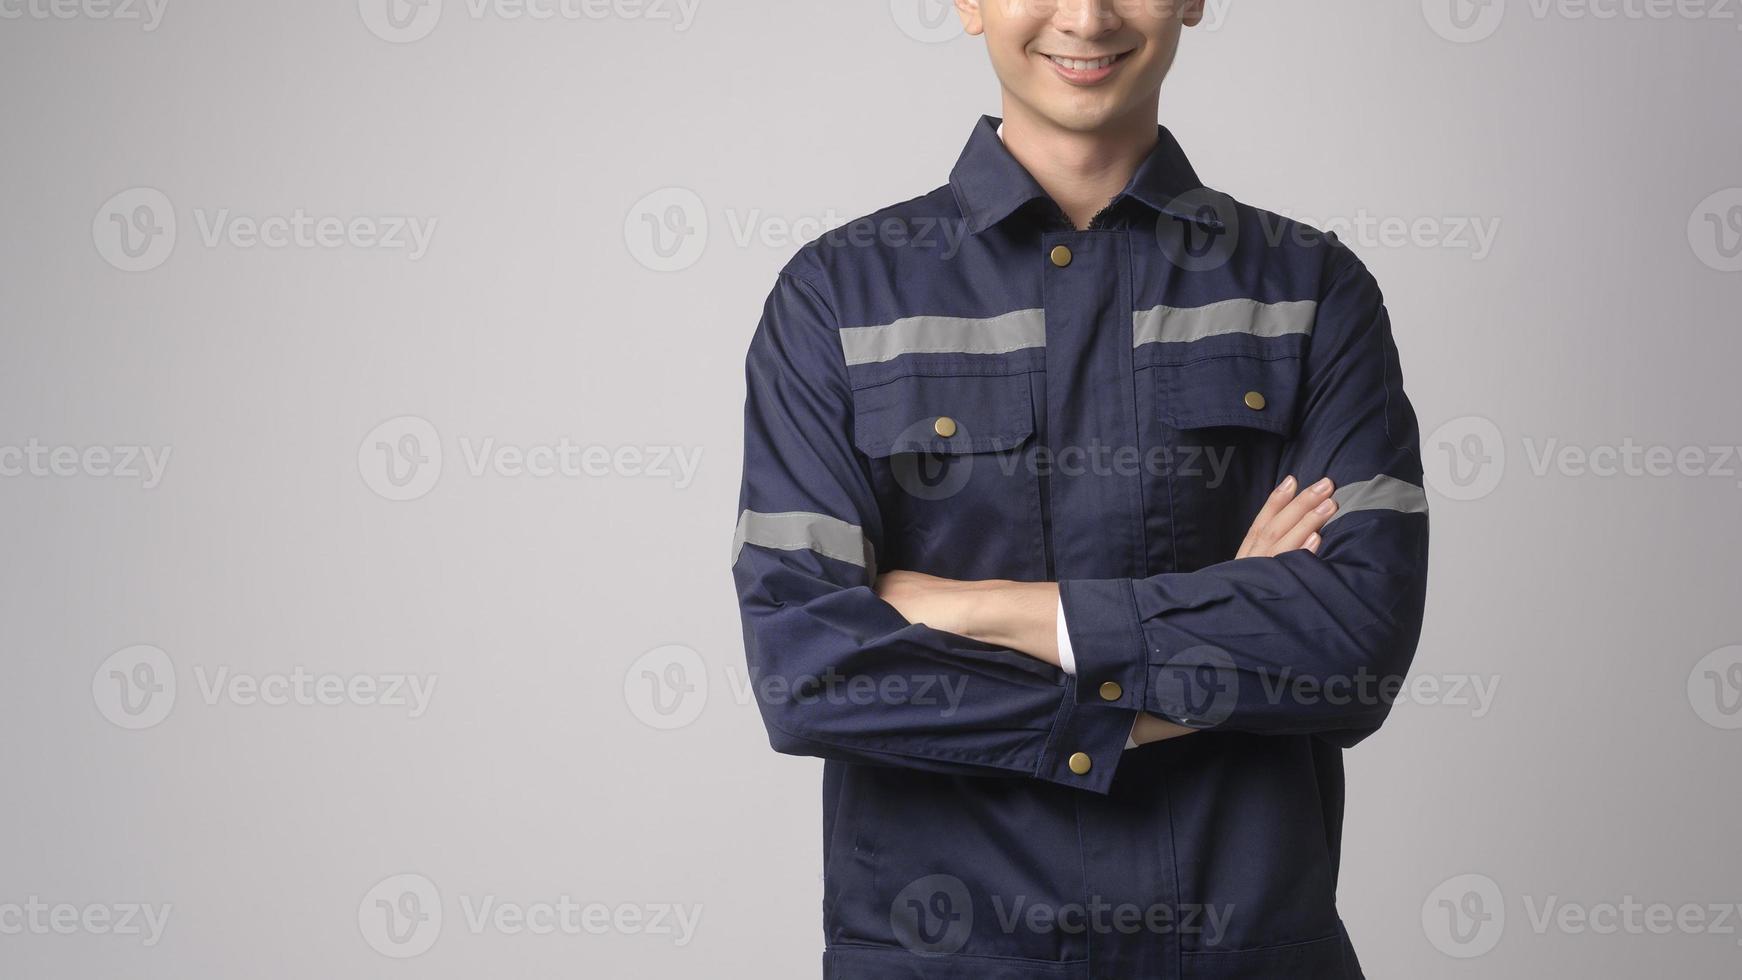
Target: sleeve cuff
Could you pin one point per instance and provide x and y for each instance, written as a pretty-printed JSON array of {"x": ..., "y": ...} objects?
[
  {"x": 1068, "y": 663},
  {"x": 1086, "y": 743},
  {"x": 1108, "y": 651}
]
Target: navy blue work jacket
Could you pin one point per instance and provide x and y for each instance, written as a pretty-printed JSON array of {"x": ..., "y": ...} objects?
[{"x": 966, "y": 385}]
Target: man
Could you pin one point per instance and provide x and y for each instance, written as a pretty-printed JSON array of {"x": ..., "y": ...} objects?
[{"x": 1082, "y": 711}]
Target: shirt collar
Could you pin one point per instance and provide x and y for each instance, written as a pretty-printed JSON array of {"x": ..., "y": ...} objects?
[{"x": 990, "y": 185}]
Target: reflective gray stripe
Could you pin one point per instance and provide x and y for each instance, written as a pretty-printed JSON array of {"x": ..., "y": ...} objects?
[
  {"x": 1380, "y": 493},
  {"x": 1181, "y": 324},
  {"x": 944, "y": 335},
  {"x": 799, "y": 531}
]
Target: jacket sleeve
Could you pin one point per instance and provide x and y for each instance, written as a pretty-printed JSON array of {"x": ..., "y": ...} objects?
[
  {"x": 836, "y": 671},
  {"x": 1298, "y": 643}
]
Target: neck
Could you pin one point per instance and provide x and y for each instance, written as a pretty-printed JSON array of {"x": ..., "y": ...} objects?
[{"x": 1080, "y": 171}]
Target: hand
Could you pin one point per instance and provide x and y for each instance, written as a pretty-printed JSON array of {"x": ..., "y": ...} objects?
[
  {"x": 1152, "y": 729},
  {"x": 1289, "y": 521}
]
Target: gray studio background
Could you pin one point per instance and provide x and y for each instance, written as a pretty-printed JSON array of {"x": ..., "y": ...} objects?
[{"x": 270, "y": 676}]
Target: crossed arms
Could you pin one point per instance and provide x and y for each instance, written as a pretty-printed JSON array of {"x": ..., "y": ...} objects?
[{"x": 1314, "y": 601}]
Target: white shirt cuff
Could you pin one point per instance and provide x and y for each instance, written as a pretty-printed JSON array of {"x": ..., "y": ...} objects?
[{"x": 1067, "y": 658}]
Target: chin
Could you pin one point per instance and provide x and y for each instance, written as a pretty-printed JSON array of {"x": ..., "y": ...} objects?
[{"x": 1082, "y": 117}]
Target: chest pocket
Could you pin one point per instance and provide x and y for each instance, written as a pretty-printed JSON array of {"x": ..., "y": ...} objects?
[
  {"x": 1244, "y": 391},
  {"x": 952, "y": 462},
  {"x": 1227, "y": 420}
]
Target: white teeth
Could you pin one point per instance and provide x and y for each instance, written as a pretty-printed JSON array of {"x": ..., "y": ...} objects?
[{"x": 1078, "y": 65}]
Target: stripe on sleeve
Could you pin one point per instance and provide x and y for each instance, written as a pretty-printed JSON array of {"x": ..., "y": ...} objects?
[
  {"x": 828, "y": 536},
  {"x": 1380, "y": 493}
]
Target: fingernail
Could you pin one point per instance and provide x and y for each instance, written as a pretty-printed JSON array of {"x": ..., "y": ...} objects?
[
  {"x": 1322, "y": 485},
  {"x": 1312, "y": 542},
  {"x": 1287, "y": 484},
  {"x": 1326, "y": 507}
]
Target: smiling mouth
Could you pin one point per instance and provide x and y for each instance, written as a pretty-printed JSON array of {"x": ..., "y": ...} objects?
[{"x": 1087, "y": 64}]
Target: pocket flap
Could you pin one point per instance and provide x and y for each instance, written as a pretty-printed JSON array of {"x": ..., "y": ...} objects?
[
  {"x": 1243, "y": 390},
  {"x": 943, "y": 414}
]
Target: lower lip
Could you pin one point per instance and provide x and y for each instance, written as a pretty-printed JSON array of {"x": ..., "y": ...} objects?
[{"x": 1093, "y": 76}]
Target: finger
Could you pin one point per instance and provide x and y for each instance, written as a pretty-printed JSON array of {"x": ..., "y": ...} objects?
[
  {"x": 1308, "y": 527},
  {"x": 1298, "y": 508},
  {"x": 1273, "y": 505}
]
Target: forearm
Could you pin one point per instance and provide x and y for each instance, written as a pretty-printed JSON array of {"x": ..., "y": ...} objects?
[{"x": 1020, "y": 616}]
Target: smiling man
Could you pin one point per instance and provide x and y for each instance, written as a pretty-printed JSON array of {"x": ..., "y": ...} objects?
[{"x": 1138, "y": 484}]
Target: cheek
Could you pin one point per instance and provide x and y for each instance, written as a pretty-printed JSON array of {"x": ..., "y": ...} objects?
[
  {"x": 1013, "y": 62},
  {"x": 1158, "y": 59}
]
